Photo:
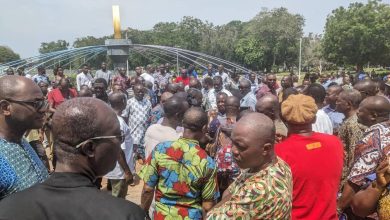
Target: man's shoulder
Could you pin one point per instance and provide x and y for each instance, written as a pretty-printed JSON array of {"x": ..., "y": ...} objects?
[{"x": 37, "y": 200}]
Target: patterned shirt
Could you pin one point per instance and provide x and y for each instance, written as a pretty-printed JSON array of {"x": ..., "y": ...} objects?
[
  {"x": 162, "y": 79},
  {"x": 211, "y": 102},
  {"x": 374, "y": 146},
  {"x": 183, "y": 175},
  {"x": 266, "y": 194},
  {"x": 123, "y": 80},
  {"x": 156, "y": 115},
  {"x": 138, "y": 113},
  {"x": 20, "y": 167},
  {"x": 41, "y": 78},
  {"x": 350, "y": 133}
]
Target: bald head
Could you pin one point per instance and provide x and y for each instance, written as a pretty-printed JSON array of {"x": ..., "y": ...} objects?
[
  {"x": 253, "y": 139},
  {"x": 377, "y": 104},
  {"x": 195, "y": 83},
  {"x": 175, "y": 106},
  {"x": 232, "y": 106},
  {"x": 366, "y": 88},
  {"x": 117, "y": 100},
  {"x": 18, "y": 87},
  {"x": 78, "y": 119},
  {"x": 232, "y": 101},
  {"x": 373, "y": 110},
  {"x": 268, "y": 105},
  {"x": 258, "y": 126},
  {"x": 165, "y": 96},
  {"x": 195, "y": 119}
]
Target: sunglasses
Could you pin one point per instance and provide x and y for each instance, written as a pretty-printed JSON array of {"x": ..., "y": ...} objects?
[
  {"x": 120, "y": 137},
  {"x": 37, "y": 104}
]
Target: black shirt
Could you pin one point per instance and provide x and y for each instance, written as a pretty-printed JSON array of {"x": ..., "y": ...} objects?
[{"x": 67, "y": 196}]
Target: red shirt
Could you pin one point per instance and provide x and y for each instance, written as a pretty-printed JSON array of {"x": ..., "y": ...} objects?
[
  {"x": 316, "y": 163},
  {"x": 56, "y": 97},
  {"x": 185, "y": 81}
]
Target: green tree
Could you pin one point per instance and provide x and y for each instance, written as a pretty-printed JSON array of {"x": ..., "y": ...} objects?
[
  {"x": 276, "y": 34},
  {"x": 7, "y": 55},
  {"x": 53, "y": 46},
  {"x": 94, "y": 60},
  {"x": 251, "y": 51},
  {"x": 358, "y": 34}
]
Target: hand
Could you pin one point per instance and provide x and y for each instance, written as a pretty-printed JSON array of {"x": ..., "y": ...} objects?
[
  {"x": 383, "y": 173},
  {"x": 129, "y": 177}
]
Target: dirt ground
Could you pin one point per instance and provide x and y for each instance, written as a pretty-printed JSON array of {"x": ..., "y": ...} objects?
[{"x": 133, "y": 192}]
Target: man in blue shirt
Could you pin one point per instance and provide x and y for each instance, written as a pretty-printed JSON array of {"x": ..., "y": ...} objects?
[
  {"x": 330, "y": 109},
  {"x": 41, "y": 76},
  {"x": 22, "y": 107}
]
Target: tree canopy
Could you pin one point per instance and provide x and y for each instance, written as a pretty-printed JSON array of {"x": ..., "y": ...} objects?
[
  {"x": 358, "y": 34},
  {"x": 7, "y": 54}
]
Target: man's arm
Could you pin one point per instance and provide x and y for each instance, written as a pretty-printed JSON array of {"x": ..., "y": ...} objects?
[
  {"x": 125, "y": 167},
  {"x": 147, "y": 197},
  {"x": 365, "y": 202},
  {"x": 347, "y": 195}
]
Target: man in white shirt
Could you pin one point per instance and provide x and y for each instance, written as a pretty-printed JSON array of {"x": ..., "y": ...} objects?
[
  {"x": 148, "y": 76},
  {"x": 104, "y": 73},
  {"x": 84, "y": 78},
  {"x": 323, "y": 123},
  {"x": 211, "y": 102},
  {"x": 122, "y": 174},
  {"x": 249, "y": 98},
  {"x": 174, "y": 109},
  {"x": 221, "y": 73}
]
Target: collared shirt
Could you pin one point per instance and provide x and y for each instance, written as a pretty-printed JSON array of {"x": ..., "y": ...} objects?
[
  {"x": 127, "y": 148},
  {"x": 249, "y": 100},
  {"x": 350, "y": 133},
  {"x": 211, "y": 102},
  {"x": 162, "y": 79},
  {"x": 156, "y": 114},
  {"x": 323, "y": 123},
  {"x": 56, "y": 97},
  {"x": 83, "y": 79},
  {"x": 335, "y": 117},
  {"x": 224, "y": 76},
  {"x": 41, "y": 78},
  {"x": 67, "y": 196},
  {"x": 266, "y": 194},
  {"x": 148, "y": 77},
  {"x": 138, "y": 113},
  {"x": 206, "y": 75},
  {"x": 20, "y": 167},
  {"x": 104, "y": 74},
  {"x": 369, "y": 152},
  {"x": 183, "y": 176},
  {"x": 122, "y": 80}
]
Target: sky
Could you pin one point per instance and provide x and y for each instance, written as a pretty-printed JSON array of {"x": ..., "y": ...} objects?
[{"x": 24, "y": 24}]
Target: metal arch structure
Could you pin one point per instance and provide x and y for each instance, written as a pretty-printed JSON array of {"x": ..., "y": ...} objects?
[{"x": 164, "y": 53}]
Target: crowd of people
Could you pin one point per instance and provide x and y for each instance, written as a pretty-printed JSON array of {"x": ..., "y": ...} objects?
[{"x": 216, "y": 145}]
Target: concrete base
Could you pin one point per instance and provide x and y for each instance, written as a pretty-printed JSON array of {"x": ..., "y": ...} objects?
[{"x": 118, "y": 50}]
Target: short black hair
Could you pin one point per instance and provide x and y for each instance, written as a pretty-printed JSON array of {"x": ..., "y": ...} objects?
[
  {"x": 208, "y": 81},
  {"x": 73, "y": 122},
  {"x": 317, "y": 92},
  {"x": 101, "y": 80}
]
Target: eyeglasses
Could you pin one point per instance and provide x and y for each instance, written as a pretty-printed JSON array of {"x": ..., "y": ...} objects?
[
  {"x": 37, "y": 104},
  {"x": 122, "y": 139}
]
